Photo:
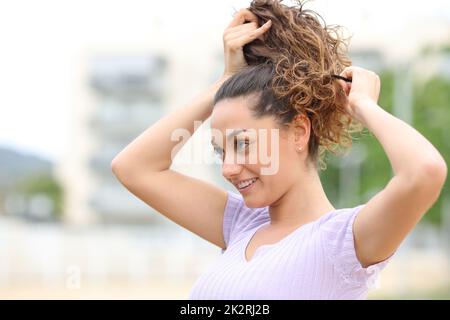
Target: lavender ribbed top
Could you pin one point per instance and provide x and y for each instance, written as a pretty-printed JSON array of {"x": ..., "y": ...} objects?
[{"x": 315, "y": 261}]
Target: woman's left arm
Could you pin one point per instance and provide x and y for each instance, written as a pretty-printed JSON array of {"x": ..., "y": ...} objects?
[{"x": 419, "y": 173}]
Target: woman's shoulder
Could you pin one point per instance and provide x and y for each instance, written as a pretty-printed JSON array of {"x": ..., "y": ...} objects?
[
  {"x": 338, "y": 224},
  {"x": 238, "y": 218},
  {"x": 340, "y": 216},
  {"x": 336, "y": 233}
]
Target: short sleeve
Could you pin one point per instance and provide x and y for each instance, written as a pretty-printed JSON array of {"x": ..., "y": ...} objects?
[
  {"x": 238, "y": 218},
  {"x": 339, "y": 246}
]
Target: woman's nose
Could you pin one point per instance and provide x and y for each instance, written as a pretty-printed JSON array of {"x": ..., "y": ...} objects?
[{"x": 230, "y": 167}]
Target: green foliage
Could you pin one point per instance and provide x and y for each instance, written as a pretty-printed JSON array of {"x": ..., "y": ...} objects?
[
  {"x": 43, "y": 183},
  {"x": 431, "y": 119},
  {"x": 376, "y": 169},
  {"x": 433, "y": 49}
]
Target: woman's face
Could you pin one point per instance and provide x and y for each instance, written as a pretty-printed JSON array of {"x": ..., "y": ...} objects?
[{"x": 258, "y": 157}]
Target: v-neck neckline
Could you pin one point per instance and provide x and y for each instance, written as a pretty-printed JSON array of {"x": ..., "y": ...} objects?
[{"x": 251, "y": 234}]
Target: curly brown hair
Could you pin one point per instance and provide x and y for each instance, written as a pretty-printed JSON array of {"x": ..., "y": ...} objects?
[{"x": 290, "y": 73}]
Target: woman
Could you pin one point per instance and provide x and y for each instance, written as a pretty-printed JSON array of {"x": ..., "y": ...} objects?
[{"x": 281, "y": 238}]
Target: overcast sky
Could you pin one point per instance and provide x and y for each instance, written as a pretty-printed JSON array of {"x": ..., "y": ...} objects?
[{"x": 40, "y": 41}]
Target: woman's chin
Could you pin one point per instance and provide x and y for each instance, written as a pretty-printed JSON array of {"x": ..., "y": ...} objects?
[{"x": 252, "y": 201}]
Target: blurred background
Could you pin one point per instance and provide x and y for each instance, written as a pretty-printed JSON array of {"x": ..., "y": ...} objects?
[{"x": 81, "y": 79}]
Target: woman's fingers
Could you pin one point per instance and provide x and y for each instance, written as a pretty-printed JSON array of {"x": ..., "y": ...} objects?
[
  {"x": 346, "y": 86},
  {"x": 365, "y": 84},
  {"x": 243, "y": 30},
  {"x": 240, "y": 30},
  {"x": 347, "y": 72},
  {"x": 241, "y": 16},
  {"x": 239, "y": 27},
  {"x": 246, "y": 37},
  {"x": 236, "y": 35}
]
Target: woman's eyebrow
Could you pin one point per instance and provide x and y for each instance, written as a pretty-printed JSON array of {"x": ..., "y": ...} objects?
[{"x": 230, "y": 135}]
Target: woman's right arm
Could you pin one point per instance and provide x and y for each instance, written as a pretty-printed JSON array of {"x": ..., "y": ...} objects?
[{"x": 143, "y": 167}]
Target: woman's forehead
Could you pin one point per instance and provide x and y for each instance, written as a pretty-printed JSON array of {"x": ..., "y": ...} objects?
[
  {"x": 231, "y": 112},
  {"x": 236, "y": 114}
]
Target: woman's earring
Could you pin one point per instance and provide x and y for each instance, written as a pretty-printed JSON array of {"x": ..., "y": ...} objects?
[{"x": 299, "y": 149}]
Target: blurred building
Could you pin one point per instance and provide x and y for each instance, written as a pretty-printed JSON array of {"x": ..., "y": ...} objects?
[
  {"x": 128, "y": 99},
  {"x": 116, "y": 97},
  {"x": 120, "y": 95}
]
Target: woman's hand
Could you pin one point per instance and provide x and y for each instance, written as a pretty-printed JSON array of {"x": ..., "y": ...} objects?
[
  {"x": 365, "y": 87},
  {"x": 236, "y": 35}
]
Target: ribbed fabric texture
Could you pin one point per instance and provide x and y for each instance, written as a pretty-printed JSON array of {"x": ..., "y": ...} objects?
[{"x": 315, "y": 261}]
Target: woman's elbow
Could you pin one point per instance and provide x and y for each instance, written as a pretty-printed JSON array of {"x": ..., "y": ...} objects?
[
  {"x": 430, "y": 180},
  {"x": 119, "y": 166},
  {"x": 437, "y": 173}
]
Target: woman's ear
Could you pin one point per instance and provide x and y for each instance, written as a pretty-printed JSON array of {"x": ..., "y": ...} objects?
[{"x": 302, "y": 129}]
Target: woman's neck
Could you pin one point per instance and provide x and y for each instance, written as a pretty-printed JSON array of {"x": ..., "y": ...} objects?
[{"x": 304, "y": 202}]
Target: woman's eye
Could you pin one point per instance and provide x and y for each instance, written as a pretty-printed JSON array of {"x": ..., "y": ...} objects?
[{"x": 242, "y": 144}]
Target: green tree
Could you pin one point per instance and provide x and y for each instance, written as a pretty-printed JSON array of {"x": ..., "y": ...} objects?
[
  {"x": 43, "y": 183},
  {"x": 375, "y": 169},
  {"x": 431, "y": 119}
]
